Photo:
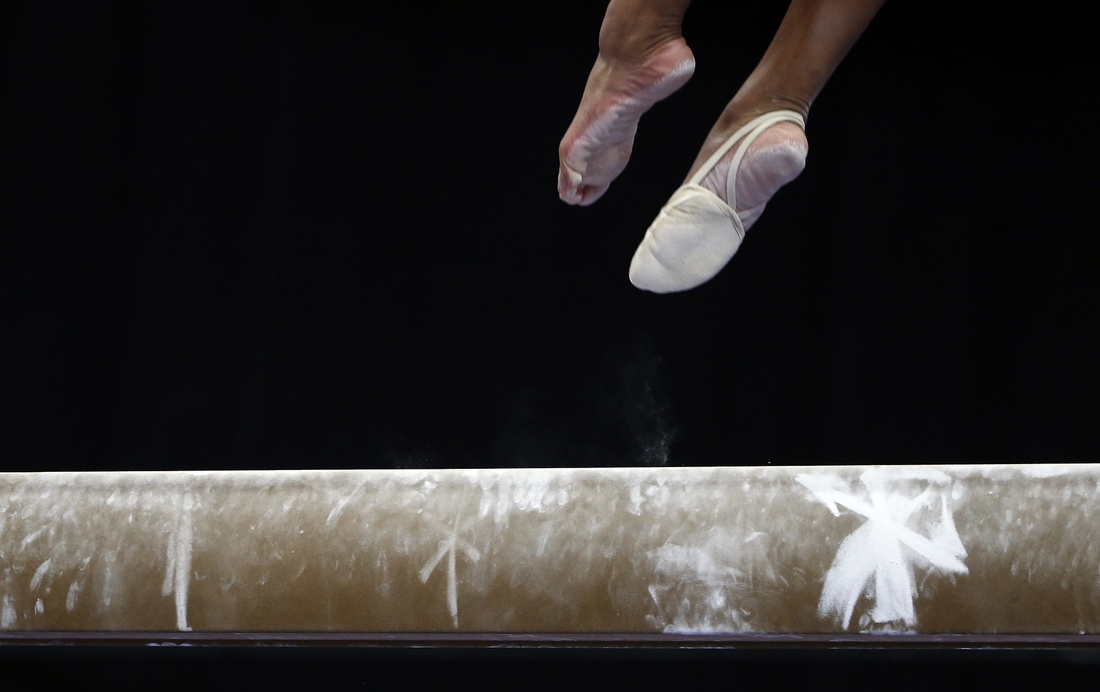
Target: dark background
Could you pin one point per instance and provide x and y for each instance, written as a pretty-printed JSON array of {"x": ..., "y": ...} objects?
[
  {"x": 313, "y": 235},
  {"x": 187, "y": 670},
  {"x": 318, "y": 235}
]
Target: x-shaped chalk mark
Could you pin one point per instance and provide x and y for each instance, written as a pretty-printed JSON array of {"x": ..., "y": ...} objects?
[
  {"x": 939, "y": 556},
  {"x": 448, "y": 547}
]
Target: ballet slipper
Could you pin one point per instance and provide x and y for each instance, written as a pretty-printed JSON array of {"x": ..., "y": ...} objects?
[{"x": 696, "y": 233}]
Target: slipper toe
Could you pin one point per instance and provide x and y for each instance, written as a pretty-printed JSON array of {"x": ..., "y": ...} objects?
[{"x": 693, "y": 237}]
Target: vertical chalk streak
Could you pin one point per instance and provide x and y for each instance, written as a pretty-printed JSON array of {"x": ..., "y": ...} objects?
[
  {"x": 169, "y": 583},
  {"x": 71, "y": 596},
  {"x": 7, "y": 615},
  {"x": 184, "y": 540},
  {"x": 452, "y": 578},
  {"x": 448, "y": 548},
  {"x": 177, "y": 569}
]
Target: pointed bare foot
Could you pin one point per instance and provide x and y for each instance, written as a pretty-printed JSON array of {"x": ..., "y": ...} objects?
[{"x": 597, "y": 146}]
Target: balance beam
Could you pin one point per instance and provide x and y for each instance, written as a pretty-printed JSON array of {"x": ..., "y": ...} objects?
[{"x": 909, "y": 555}]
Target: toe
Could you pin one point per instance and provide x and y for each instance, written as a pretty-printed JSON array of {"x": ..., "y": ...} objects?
[
  {"x": 568, "y": 188},
  {"x": 590, "y": 193}
]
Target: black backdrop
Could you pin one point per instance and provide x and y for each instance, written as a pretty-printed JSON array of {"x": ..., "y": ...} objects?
[
  {"x": 287, "y": 235},
  {"x": 317, "y": 235}
]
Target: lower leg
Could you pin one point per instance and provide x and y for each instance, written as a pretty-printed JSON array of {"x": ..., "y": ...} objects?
[
  {"x": 812, "y": 40},
  {"x": 643, "y": 59},
  {"x": 633, "y": 30}
]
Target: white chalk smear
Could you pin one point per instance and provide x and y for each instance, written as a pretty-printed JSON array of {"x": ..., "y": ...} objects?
[
  {"x": 383, "y": 587},
  {"x": 7, "y": 613},
  {"x": 448, "y": 547},
  {"x": 1047, "y": 470},
  {"x": 874, "y": 550},
  {"x": 70, "y": 598},
  {"x": 39, "y": 574},
  {"x": 339, "y": 508},
  {"x": 701, "y": 585},
  {"x": 108, "y": 576},
  {"x": 177, "y": 571},
  {"x": 30, "y": 537}
]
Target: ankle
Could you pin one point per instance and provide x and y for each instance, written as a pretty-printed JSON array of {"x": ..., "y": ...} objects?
[
  {"x": 634, "y": 40},
  {"x": 750, "y": 102},
  {"x": 745, "y": 107}
]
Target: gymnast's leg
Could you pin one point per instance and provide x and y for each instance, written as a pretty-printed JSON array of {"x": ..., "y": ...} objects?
[
  {"x": 643, "y": 59},
  {"x": 813, "y": 38}
]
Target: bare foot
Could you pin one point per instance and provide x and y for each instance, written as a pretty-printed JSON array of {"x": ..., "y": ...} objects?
[{"x": 597, "y": 145}]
